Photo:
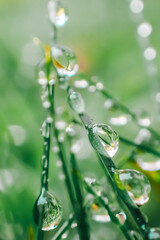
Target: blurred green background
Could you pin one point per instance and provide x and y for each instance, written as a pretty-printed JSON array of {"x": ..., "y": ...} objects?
[{"x": 103, "y": 36}]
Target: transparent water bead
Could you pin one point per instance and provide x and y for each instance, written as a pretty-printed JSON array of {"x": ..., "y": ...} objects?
[
  {"x": 110, "y": 105},
  {"x": 150, "y": 53},
  {"x": 57, "y": 13},
  {"x": 60, "y": 125},
  {"x": 64, "y": 60},
  {"x": 136, "y": 6},
  {"x": 76, "y": 102},
  {"x": 154, "y": 233},
  {"x": 144, "y": 29},
  {"x": 107, "y": 138},
  {"x": 136, "y": 184},
  {"x": 47, "y": 212}
]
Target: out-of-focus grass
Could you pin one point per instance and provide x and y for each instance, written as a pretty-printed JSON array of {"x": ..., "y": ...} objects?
[{"x": 104, "y": 39}]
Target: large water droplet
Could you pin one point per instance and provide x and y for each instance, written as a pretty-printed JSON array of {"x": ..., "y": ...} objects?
[
  {"x": 136, "y": 184},
  {"x": 57, "y": 14},
  {"x": 64, "y": 60},
  {"x": 108, "y": 139},
  {"x": 154, "y": 233},
  {"x": 47, "y": 212},
  {"x": 76, "y": 102}
]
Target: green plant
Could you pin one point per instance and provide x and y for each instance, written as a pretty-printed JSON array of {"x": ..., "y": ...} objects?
[{"x": 129, "y": 187}]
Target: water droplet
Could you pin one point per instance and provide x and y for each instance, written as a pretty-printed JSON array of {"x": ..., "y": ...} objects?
[
  {"x": 75, "y": 148},
  {"x": 55, "y": 149},
  {"x": 45, "y": 130},
  {"x": 42, "y": 80},
  {"x": 136, "y": 6},
  {"x": 46, "y": 104},
  {"x": 18, "y": 134},
  {"x": 49, "y": 119},
  {"x": 120, "y": 120},
  {"x": 109, "y": 104},
  {"x": 99, "y": 86},
  {"x": 65, "y": 61},
  {"x": 121, "y": 217},
  {"x": 74, "y": 225},
  {"x": 99, "y": 213},
  {"x": 61, "y": 137},
  {"x": 158, "y": 97},
  {"x": 92, "y": 88},
  {"x": 76, "y": 102},
  {"x": 62, "y": 176},
  {"x": 144, "y": 29},
  {"x": 108, "y": 138},
  {"x": 47, "y": 212},
  {"x": 144, "y": 135},
  {"x": 94, "y": 184},
  {"x": 57, "y": 14},
  {"x": 65, "y": 235},
  {"x": 154, "y": 233},
  {"x": 59, "y": 163},
  {"x": 148, "y": 162},
  {"x": 150, "y": 53},
  {"x": 81, "y": 83},
  {"x": 136, "y": 184},
  {"x": 143, "y": 118},
  {"x": 60, "y": 125},
  {"x": 70, "y": 130}
]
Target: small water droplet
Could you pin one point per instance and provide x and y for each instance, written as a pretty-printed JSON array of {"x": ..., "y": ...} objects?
[
  {"x": 61, "y": 137},
  {"x": 150, "y": 53},
  {"x": 99, "y": 86},
  {"x": 109, "y": 104},
  {"x": 136, "y": 184},
  {"x": 120, "y": 120},
  {"x": 62, "y": 176},
  {"x": 57, "y": 14},
  {"x": 65, "y": 235},
  {"x": 144, "y": 135},
  {"x": 45, "y": 130},
  {"x": 49, "y": 119},
  {"x": 60, "y": 125},
  {"x": 74, "y": 225},
  {"x": 121, "y": 217},
  {"x": 143, "y": 118},
  {"x": 82, "y": 83},
  {"x": 70, "y": 130},
  {"x": 108, "y": 139},
  {"x": 92, "y": 88},
  {"x": 75, "y": 148},
  {"x": 55, "y": 149},
  {"x": 42, "y": 80},
  {"x": 47, "y": 212},
  {"x": 65, "y": 61},
  {"x": 94, "y": 184},
  {"x": 63, "y": 82},
  {"x": 136, "y": 6},
  {"x": 99, "y": 213},
  {"x": 154, "y": 233},
  {"x": 46, "y": 104},
  {"x": 76, "y": 102},
  {"x": 144, "y": 29},
  {"x": 59, "y": 163}
]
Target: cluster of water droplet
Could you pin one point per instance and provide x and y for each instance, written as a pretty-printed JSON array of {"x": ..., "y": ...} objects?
[{"x": 47, "y": 211}]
